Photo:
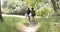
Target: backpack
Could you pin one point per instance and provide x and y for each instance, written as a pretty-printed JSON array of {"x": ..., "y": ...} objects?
[{"x": 33, "y": 13}]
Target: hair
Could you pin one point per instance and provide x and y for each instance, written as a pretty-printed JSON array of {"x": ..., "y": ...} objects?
[
  {"x": 32, "y": 8},
  {"x": 28, "y": 8}
]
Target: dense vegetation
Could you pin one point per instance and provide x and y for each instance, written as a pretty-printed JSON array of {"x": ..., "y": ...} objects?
[
  {"x": 47, "y": 21},
  {"x": 20, "y": 7}
]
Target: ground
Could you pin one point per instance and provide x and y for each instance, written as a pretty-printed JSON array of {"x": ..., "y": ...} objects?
[{"x": 14, "y": 24}]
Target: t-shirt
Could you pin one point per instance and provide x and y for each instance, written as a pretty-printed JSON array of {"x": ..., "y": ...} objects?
[
  {"x": 33, "y": 13},
  {"x": 28, "y": 12}
]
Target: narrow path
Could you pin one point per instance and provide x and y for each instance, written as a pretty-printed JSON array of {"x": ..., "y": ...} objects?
[
  {"x": 33, "y": 27},
  {"x": 30, "y": 29}
]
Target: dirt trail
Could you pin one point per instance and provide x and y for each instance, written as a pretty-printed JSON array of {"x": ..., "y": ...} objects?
[{"x": 33, "y": 27}]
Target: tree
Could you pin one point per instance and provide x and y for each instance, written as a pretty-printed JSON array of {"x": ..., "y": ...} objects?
[
  {"x": 0, "y": 13},
  {"x": 54, "y": 5},
  {"x": 58, "y": 3},
  {"x": 33, "y": 3},
  {"x": 10, "y": 7}
]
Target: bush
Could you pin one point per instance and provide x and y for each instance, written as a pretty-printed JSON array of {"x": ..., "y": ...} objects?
[
  {"x": 6, "y": 11},
  {"x": 11, "y": 7},
  {"x": 20, "y": 11},
  {"x": 44, "y": 12}
]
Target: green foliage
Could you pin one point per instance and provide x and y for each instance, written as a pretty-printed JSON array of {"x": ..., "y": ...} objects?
[
  {"x": 44, "y": 12},
  {"x": 34, "y": 3},
  {"x": 6, "y": 11},
  {"x": 10, "y": 7}
]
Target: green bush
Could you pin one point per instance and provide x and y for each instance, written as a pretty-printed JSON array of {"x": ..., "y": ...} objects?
[
  {"x": 11, "y": 7},
  {"x": 44, "y": 12},
  {"x": 6, "y": 11},
  {"x": 20, "y": 11}
]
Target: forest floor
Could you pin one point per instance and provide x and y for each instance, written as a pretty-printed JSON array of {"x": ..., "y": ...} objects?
[
  {"x": 18, "y": 23},
  {"x": 32, "y": 27}
]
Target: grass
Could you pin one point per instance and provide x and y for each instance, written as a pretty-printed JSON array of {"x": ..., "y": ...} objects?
[
  {"x": 51, "y": 24},
  {"x": 11, "y": 24}
]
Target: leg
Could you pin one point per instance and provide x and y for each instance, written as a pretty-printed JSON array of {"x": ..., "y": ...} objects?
[
  {"x": 29, "y": 18},
  {"x": 32, "y": 18}
]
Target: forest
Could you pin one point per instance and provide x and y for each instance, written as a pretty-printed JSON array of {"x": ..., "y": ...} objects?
[{"x": 13, "y": 19}]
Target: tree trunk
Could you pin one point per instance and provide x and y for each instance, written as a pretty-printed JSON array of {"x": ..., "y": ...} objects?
[
  {"x": 54, "y": 5},
  {"x": 0, "y": 13},
  {"x": 58, "y": 3}
]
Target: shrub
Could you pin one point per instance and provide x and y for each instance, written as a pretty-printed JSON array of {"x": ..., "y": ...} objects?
[
  {"x": 44, "y": 12},
  {"x": 11, "y": 8}
]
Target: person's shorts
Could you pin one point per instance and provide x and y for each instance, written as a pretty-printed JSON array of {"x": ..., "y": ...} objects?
[{"x": 32, "y": 15}]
